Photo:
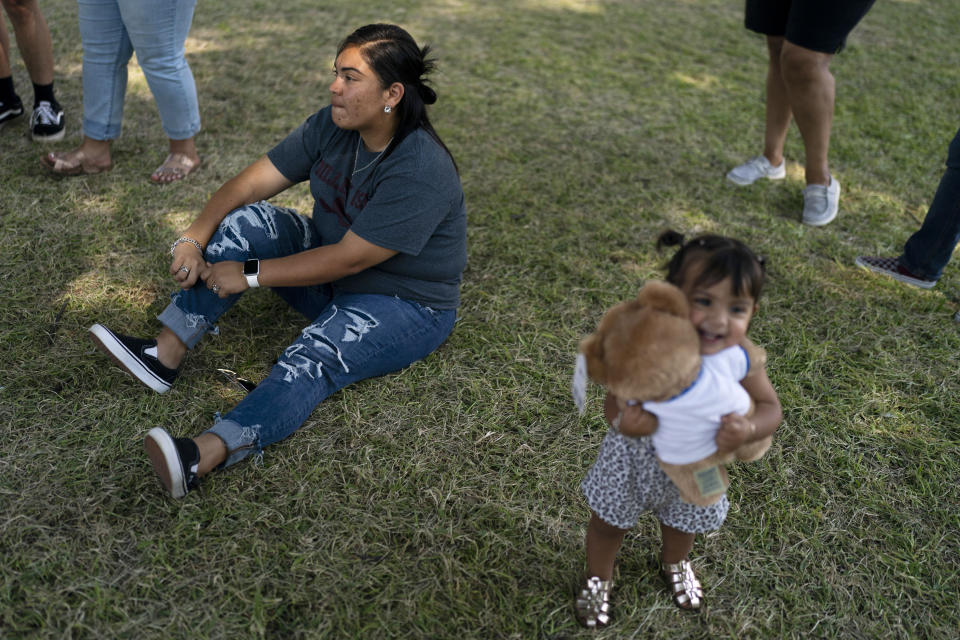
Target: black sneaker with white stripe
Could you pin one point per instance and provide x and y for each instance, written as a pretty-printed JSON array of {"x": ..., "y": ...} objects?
[
  {"x": 46, "y": 122},
  {"x": 137, "y": 357},
  {"x": 10, "y": 109},
  {"x": 175, "y": 461}
]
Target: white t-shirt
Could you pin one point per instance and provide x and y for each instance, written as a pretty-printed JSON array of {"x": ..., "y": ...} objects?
[{"x": 688, "y": 423}]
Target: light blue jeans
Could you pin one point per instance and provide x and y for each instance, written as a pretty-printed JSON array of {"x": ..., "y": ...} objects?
[
  {"x": 351, "y": 336},
  {"x": 110, "y": 31}
]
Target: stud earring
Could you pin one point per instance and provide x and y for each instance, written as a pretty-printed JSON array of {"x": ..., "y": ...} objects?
[{"x": 387, "y": 108}]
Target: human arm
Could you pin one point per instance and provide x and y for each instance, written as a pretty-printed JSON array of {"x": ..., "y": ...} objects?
[
  {"x": 735, "y": 429},
  {"x": 634, "y": 419},
  {"x": 259, "y": 181},
  {"x": 352, "y": 254}
]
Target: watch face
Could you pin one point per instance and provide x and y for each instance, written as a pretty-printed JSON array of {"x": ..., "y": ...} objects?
[{"x": 251, "y": 267}]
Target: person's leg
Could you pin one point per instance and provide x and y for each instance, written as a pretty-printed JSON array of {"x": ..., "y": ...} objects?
[
  {"x": 602, "y": 545},
  {"x": 810, "y": 92},
  {"x": 159, "y": 38},
  {"x": 358, "y": 336},
  {"x": 33, "y": 39},
  {"x": 814, "y": 32},
  {"x": 11, "y": 107},
  {"x": 259, "y": 230},
  {"x": 679, "y": 523},
  {"x": 106, "y": 51},
  {"x": 777, "y": 110},
  {"x": 777, "y": 116},
  {"x": 676, "y": 544},
  {"x": 929, "y": 250},
  {"x": 768, "y": 18},
  {"x": 677, "y": 571},
  {"x": 5, "y": 70},
  {"x": 592, "y": 602}
]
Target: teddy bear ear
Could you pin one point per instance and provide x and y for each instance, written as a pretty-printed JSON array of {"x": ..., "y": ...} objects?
[
  {"x": 592, "y": 349},
  {"x": 664, "y": 297}
]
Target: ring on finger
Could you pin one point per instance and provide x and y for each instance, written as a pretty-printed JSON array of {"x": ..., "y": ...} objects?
[
  {"x": 184, "y": 268},
  {"x": 215, "y": 288}
]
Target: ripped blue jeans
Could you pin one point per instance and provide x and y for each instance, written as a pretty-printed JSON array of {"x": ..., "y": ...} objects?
[{"x": 352, "y": 336}]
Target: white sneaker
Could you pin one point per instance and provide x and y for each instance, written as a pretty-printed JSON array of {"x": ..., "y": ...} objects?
[
  {"x": 756, "y": 168},
  {"x": 821, "y": 203}
]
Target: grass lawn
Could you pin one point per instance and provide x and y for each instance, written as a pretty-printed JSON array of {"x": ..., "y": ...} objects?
[{"x": 443, "y": 501}]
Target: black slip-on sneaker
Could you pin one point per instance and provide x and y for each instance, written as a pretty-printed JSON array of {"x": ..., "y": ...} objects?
[
  {"x": 10, "y": 110},
  {"x": 136, "y": 356},
  {"x": 174, "y": 460}
]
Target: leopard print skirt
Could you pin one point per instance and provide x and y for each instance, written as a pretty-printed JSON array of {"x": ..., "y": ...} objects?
[{"x": 626, "y": 481}]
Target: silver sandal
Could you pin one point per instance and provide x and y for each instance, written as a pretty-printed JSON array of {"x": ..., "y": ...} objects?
[
  {"x": 686, "y": 589},
  {"x": 593, "y": 603}
]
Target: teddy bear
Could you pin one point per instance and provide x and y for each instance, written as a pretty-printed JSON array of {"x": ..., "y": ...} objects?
[{"x": 646, "y": 351}]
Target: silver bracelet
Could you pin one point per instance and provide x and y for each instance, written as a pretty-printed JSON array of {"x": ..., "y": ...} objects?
[{"x": 183, "y": 239}]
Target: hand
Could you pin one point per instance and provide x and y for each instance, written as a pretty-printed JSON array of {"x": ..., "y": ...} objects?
[
  {"x": 224, "y": 278},
  {"x": 186, "y": 265},
  {"x": 634, "y": 420},
  {"x": 734, "y": 430}
]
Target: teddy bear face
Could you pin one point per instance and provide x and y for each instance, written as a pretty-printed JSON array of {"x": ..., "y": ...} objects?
[{"x": 647, "y": 348}]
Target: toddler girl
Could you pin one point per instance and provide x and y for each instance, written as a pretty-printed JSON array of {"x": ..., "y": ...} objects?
[{"x": 722, "y": 280}]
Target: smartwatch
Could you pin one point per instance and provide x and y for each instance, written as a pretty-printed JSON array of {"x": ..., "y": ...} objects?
[{"x": 251, "y": 269}]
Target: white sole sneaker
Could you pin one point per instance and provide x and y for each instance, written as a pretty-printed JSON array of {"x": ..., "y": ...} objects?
[
  {"x": 174, "y": 460},
  {"x": 123, "y": 351},
  {"x": 53, "y": 137},
  {"x": 166, "y": 461},
  {"x": 756, "y": 168},
  {"x": 821, "y": 203}
]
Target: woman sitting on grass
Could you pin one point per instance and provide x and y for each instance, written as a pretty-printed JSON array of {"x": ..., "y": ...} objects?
[{"x": 376, "y": 269}]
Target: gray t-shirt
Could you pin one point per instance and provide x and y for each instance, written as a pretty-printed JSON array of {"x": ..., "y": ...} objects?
[{"x": 409, "y": 201}]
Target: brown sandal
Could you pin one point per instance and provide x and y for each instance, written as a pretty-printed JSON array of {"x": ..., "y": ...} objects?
[
  {"x": 177, "y": 166},
  {"x": 686, "y": 589},
  {"x": 73, "y": 163}
]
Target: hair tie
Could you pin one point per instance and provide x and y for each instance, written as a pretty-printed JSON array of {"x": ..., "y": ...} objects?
[
  {"x": 428, "y": 95},
  {"x": 670, "y": 238}
]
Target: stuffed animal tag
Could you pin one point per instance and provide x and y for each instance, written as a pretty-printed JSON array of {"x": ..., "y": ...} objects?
[
  {"x": 709, "y": 481},
  {"x": 579, "y": 385}
]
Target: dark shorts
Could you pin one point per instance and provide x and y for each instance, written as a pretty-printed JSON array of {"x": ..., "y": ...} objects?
[{"x": 820, "y": 25}]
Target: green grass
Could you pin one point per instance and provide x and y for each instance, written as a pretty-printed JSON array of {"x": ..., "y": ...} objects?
[{"x": 443, "y": 501}]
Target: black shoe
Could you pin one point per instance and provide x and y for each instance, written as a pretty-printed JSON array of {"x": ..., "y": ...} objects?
[
  {"x": 10, "y": 110},
  {"x": 137, "y": 357},
  {"x": 46, "y": 122},
  {"x": 174, "y": 461}
]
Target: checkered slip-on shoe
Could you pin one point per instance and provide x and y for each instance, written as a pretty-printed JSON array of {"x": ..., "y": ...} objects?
[{"x": 892, "y": 267}]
